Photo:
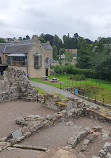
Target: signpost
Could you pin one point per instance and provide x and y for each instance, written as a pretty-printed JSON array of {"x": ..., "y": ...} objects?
[{"x": 76, "y": 90}]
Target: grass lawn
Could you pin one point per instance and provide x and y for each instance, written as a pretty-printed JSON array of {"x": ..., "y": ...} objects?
[{"x": 92, "y": 87}]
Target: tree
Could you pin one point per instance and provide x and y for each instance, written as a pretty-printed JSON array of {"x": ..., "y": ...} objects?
[
  {"x": 27, "y": 37},
  {"x": 84, "y": 54},
  {"x": 66, "y": 41},
  {"x": 42, "y": 39},
  {"x": 2, "y": 40},
  {"x": 49, "y": 38},
  {"x": 70, "y": 42},
  {"x": 57, "y": 42},
  {"x": 68, "y": 56},
  {"x": 101, "y": 63},
  {"x": 61, "y": 51},
  {"x": 76, "y": 36},
  {"x": 55, "y": 53}
]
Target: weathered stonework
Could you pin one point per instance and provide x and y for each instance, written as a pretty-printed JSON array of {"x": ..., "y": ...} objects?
[{"x": 16, "y": 86}]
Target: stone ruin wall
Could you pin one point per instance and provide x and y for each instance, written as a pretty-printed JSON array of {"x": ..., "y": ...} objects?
[{"x": 16, "y": 86}]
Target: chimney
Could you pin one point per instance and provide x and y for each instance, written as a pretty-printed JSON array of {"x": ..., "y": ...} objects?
[{"x": 35, "y": 38}]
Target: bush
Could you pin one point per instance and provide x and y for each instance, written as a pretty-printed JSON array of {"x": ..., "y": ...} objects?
[
  {"x": 70, "y": 69},
  {"x": 77, "y": 77},
  {"x": 52, "y": 67}
]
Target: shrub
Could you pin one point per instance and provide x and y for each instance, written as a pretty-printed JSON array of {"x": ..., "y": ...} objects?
[
  {"x": 70, "y": 69},
  {"x": 52, "y": 66}
]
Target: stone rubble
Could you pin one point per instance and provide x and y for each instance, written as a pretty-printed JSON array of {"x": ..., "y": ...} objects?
[
  {"x": 16, "y": 86},
  {"x": 106, "y": 150}
]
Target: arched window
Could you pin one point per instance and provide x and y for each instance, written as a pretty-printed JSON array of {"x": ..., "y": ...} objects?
[{"x": 37, "y": 60}]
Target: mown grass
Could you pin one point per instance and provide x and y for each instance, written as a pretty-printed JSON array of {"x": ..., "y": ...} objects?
[
  {"x": 92, "y": 87},
  {"x": 41, "y": 91}
]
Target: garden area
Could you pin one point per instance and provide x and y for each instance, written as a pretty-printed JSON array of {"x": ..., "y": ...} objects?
[{"x": 93, "y": 88}]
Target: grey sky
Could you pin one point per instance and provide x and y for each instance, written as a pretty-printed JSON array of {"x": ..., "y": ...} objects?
[{"x": 89, "y": 18}]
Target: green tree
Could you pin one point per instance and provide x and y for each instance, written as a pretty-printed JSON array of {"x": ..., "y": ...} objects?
[
  {"x": 2, "y": 40},
  {"x": 84, "y": 54},
  {"x": 42, "y": 39},
  {"x": 27, "y": 37},
  {"x": 55, "y": 52},
  {"x": 101, "y": 63},
  {"x": 61, "y": 51},
  {"x": 68, "y": 56},
  {"x": 49, "y": 38},
  {"x": 57, "y": 42}
]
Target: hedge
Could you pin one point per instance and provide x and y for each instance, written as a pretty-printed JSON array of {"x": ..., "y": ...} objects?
[{"x": 70, "y": 69}]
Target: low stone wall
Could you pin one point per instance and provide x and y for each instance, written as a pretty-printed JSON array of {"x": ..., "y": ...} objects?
[
  {"x": 53, "y": 101},
  {"x": 71, "y": 89},
  {"x": 16, "y": 86}
]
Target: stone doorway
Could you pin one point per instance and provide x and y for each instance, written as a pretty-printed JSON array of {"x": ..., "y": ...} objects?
[
  {"x": 46, "y": 71},
  {"x": 0, "y": 60}
]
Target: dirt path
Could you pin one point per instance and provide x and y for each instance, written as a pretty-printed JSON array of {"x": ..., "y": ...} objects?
[{"x": 11, "y": 110}]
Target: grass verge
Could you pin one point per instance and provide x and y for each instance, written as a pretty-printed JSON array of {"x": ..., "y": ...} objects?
[
  {"x": 41, "y": 91},
  {"x": 93, "y": 87}
]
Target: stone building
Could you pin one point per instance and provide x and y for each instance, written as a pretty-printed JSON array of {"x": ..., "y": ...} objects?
[{"x": 30, "y": 56}]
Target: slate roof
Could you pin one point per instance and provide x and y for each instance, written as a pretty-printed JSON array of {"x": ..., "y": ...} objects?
[
  {"x": 2, "y": 47},
  {"x": 26, "y": 41},
  {"x": 46, "y": 46},
  {"x": 22, "y": 48},
  {"x": 17, "y": 49}
]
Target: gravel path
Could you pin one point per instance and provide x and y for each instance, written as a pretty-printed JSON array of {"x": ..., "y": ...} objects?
[
  {"x": 50, "y": 88},
  {"x": 11, "y": 110}
]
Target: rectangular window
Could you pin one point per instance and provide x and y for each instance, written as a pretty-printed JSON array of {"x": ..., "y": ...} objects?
[
  {"x": 37, "y": 61},
  {"x": 16, "y": 61}
]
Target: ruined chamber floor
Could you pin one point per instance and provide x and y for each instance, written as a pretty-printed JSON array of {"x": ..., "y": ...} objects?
[
  {"x": 58, "y": 135},
  {"x": 55, "y": 136},
  {"x": 11, "y": 110},
  {"x": 19, "y": 153}
]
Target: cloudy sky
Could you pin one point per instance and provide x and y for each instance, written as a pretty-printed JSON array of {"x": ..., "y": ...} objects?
[{"x": 89, "y": 18}]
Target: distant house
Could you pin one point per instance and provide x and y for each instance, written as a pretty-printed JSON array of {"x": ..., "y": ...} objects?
[
  {"x": 29, "y": 55},
  {"x": 73, "y": 51}
]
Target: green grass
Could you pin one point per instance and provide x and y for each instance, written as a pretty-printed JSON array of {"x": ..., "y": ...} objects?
[
  {"x": 41, "y": 91},
  {"x": 92, "y": 87},
  {"x": 61, "y": 96}
]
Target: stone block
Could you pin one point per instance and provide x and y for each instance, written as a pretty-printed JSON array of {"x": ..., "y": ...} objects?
[{"x": 4, "y": 145}]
